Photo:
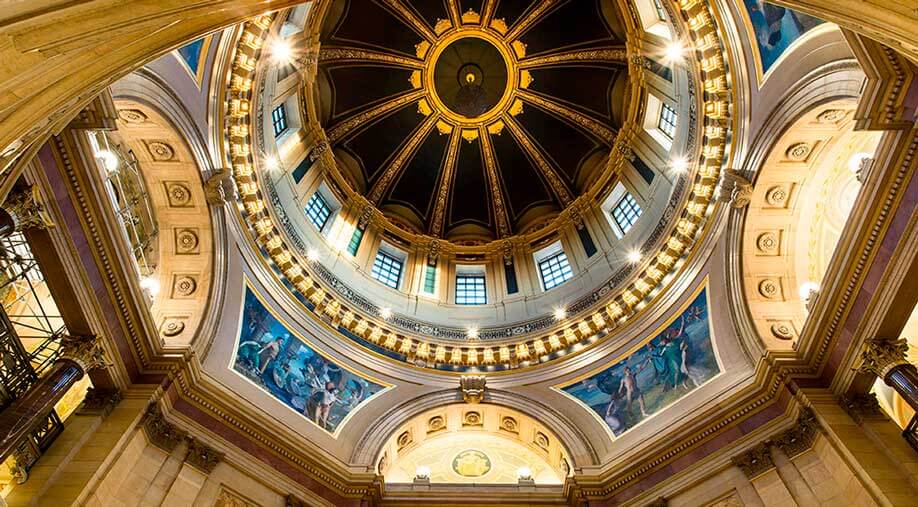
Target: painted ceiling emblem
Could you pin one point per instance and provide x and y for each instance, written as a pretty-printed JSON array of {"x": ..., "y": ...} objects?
[{"x": 471, "y": 463}]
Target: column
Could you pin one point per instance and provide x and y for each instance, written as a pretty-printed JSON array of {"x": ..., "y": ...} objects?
[
  {"x": 80, "y": 355},
  {"x": 759, "y": 467},
  {"x": 200, "y": 461},
  {"x": 886, "y": 360}
]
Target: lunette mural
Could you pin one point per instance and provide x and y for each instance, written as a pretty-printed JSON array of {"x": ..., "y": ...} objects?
[
  {"x": 673, "y": 363},
  {"x": 291, "y": 371},
  {"x": 776, "y": 28}
]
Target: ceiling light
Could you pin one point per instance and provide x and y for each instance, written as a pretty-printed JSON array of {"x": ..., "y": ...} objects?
[
  {"x": 679, "y": 166},
  {"x": 807, "y": 289},
  {"x": 281, "y": 52},
  {"x": 422, "y": 472},
  {"x": 560, "y": 313},
  {"x": 854, "y": 163},
  {"x": 675, "y": 52},
  {"x": 109, "y": 160},
  {"x": 472, "y": 333},
  {"x": 150, "y": 284},
  {"x": 524, "y": 473},
  {"x": 312, "y": 255},
  {"x": 272, "y": 164},
  {"x": 385, "y": 313},
  {"x": 634, "y": 256}
]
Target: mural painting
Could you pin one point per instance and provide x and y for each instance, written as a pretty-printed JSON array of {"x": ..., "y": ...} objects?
[
  {"x": 673, "y": 363},
  {"x": 776, "y": 28},
  {"x": 294, "y": 373}
]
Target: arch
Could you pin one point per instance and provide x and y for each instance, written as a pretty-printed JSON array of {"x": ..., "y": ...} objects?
[{"x": 372, "y": 444}]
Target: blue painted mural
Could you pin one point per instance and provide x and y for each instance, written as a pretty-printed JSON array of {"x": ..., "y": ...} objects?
[
  {"x": 294, "y": 373},
  {"x": 776, "y": 28},
  {"x": 672, "y": 364},
  {"x": 191, "y": 53}
]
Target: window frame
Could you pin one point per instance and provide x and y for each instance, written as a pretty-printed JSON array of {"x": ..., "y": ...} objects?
[
  {"x": 326, "y": 209},
  {"x": 282, "y": 119},
  {"x": 668, "y": 123},
  {"x": 388, "y": 260},
  {"x": 631, "y": 207},
  {"x": 554, "y": 270},
  {"x": 473, "y": 294}
]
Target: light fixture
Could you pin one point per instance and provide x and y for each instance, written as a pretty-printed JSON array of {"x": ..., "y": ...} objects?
[
  {"x": 807, "y": 290},
  {"x": 523, "y": 473},
  {"x": 385, "y": 313},
  {"x": 281, "y": 52},
  {"x": 109, "y": 160},
  {"x": 634, "y": 256},
  {"x": 422, "y": 472},
  {"x": 679, "y": 166},
  {"x": 854, "y": 163},
  {"x": 675, "y": 52},
  {"x": 560, "y": 313},
  {"x": 272, "y": 164},
  {"x": 312, "y": 255},
  {"x": 472, "y": 332},
  {"x": 150, "y": 284}
]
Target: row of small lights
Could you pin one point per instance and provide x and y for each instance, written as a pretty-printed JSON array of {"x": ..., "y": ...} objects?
[
  {"x": 422, "y": 473},
  {"x": 632, "y": 298}
]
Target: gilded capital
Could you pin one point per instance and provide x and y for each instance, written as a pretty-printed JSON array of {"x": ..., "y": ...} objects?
[
  {"x": 755, "y": 461},
  {"x": 735, "y": 189},
  {"x": 86, "y": 351},
  {"x": 26, "y": 209},
  {"x": 202, "y": 457},
  {"x": 880, "y": 356}
]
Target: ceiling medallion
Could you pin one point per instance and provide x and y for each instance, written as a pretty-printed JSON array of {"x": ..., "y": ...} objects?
[{"x": 471, "y": 74}]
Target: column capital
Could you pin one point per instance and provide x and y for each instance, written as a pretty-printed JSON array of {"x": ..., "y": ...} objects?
[
  {"x": 85, "y": 350},
  {"x": 27, "y": 211},
  {"x": 880, "y": 356},
  {"x": 472, "y": 388},
  {"x": 800, "y": 438},
  {"x": 220, "y": 187},
  {"x": 862, "y": 406},
  {"x": 735, "y": 189},
  {"x": 202, "y": 457},
  {"x": 100, "y": 401},
  {"x": 159, "y": 431},
  {"x": 755, "y": 461}
]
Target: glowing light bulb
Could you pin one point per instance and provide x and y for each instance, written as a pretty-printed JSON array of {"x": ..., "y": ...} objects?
[
  {"x": 524, "y": 473},
  {"x": 272, "y": 164},
  {"x": 312, "y": 255},
  {"x": 679, "y": 166},
  {"x": 634, "y": 256},
  {"x": 675, "y": 52},
  {"x": 472, "y": 332},
  {"x": 281, "y": 52},
  {"x": 807, "y": 289},
  {"x": 422, "y": 472},
  {"x": 560, "y": 313},
  {"x": 109, "y": 160},
  {"x": 854, "y": 163},
  {"x": 150, "y": 284},
  {"x": 385, "y": 313}
]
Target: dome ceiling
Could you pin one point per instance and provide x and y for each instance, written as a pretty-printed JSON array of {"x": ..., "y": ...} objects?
[{"x": 469, "y": 125}]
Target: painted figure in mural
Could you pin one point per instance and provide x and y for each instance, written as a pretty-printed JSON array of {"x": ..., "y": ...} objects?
[
  {"x": 268, "y": 352},
  {"x": 631, "y": 390},
  {"x": 294, "y": 373},
  {"x": 679, "y": 359}
]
